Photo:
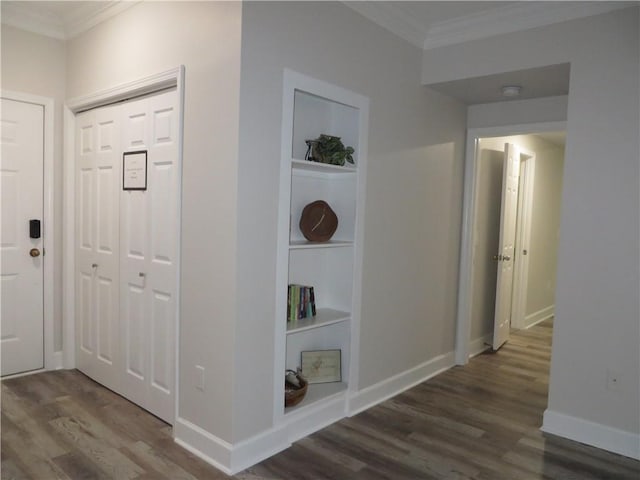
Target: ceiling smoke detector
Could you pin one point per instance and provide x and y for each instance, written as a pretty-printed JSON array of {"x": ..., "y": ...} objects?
[{"x": 511, "y": 90}]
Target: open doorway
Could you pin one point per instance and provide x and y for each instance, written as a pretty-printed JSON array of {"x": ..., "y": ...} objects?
[{"x": 529, "y": 260}]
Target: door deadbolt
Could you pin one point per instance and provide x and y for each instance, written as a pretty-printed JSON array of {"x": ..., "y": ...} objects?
[{"x": 34, "y": 252}]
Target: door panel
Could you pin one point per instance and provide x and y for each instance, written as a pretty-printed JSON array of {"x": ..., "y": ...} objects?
[
  {"x": 85, "y": 294},
  {"x": 149, "y": 226},
  {"x": 21, "y": 181},
  {"x": 162, "y": 331},
  {"x": 504, "y": 286},
  {"x": 98, "y": 176}
]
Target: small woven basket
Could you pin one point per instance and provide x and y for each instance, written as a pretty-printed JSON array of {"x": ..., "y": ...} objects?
[{"x": 293, "y": 395}]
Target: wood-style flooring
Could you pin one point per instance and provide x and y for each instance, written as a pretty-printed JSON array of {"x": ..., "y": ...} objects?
[{"x": 480, "y": 421}]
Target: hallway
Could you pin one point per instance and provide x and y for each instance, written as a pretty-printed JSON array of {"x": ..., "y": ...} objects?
[{"x": 480, "y": 421}]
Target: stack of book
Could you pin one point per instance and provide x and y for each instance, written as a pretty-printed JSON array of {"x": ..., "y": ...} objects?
[{"x": 301, "y": 302}]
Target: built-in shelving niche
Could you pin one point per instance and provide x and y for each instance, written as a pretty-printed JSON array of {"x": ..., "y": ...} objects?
[{"x": 310, "y": 108}]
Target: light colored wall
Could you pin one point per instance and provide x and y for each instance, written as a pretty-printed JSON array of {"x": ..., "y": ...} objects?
[
  {"x": 152, "y": 37},
  {"x": 414, "y": 191},
  {"x": 35, "y": 64},
  {"x": 545, "y": 222},
  {"x": 597, "y": 307},
  {"x": 545, "y": 227}
]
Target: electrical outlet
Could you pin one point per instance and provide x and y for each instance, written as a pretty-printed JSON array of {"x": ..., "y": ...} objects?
[
  {"x": 613, "y": 380},
  {"x": 200, "y": 377}
]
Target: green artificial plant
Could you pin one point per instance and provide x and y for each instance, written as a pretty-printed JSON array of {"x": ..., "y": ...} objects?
[{"x": 329, "y": 149}]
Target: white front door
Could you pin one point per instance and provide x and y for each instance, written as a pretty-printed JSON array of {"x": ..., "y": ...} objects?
[
  {"x": 21, "y": 174},
  {"x": 127, "y": 250},
  {"x": 506, "y": 245}
]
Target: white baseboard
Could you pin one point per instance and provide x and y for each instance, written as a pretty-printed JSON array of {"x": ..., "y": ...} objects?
[
  {"x": 201, "y": 443},
  {"x": 479, "y": 345},
  {"x": 594, "y": 434},
  {"x": 539, "y": 316},
  {"x": 233, "y": 458},
  {"x": 379, "y": 392},
  {"x": 224, "y": 456}
]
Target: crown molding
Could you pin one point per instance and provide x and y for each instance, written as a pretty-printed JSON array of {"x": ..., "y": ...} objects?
[
  {"x": 391, "y": 18},
  {"x": 513, "y": 18},
  {"x": 86, "y": 19},
  {"x": 24, "y": 16}
]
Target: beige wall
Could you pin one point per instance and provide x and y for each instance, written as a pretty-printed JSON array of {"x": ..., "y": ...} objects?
[
  {"x": 414, "y": 192},
  {"x": 35, "y": 65},
  {"x": 149, "y": 38},
  {"x": 545, "y": 222}
]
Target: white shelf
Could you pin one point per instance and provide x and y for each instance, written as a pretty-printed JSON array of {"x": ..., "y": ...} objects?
[
  {"x": 319, "y": 392},
  {"x": 321, "y": 167},
  {"x": 323, "y": 318},
  {"x": 304, "y": 244}
]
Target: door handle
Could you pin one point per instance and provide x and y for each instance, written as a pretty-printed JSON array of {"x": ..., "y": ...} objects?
[
  {"x": 506, "y": 258},
  {"x": 498, "y": 257},
  {"x": 34, "y": 252}
]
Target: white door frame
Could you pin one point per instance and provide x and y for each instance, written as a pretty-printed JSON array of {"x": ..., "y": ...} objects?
[
  {"x": 465, "y": 279},
  {"x": 52, "y": 358},
  {"x": 154, "y": 83}
]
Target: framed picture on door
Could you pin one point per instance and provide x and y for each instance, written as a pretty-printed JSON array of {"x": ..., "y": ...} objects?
[{"x": 134, "y": 170}]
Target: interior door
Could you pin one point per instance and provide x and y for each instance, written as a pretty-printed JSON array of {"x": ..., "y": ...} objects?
[
  {"x": 149, "y": 226},
  {"x": 21, "y": 174},
  {"x": 97, "y": 246},
  {"x": 505, "y": 256}
]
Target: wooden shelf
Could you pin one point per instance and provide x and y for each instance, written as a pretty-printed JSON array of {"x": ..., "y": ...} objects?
[
  {"x": 320, "y": 167},
  {"x": 304, "y": 244},
  {"x": 318, "y": 392},
  {"x": 323, "y": 318}
]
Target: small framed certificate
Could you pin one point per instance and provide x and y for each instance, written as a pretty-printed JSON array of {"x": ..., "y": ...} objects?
[
  {"x": 321, "y": 366},
  {"x": 134, "y": 170}
]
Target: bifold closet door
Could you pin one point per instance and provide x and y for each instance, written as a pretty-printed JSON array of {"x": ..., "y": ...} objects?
[
  {"x": 149, "y": 229},
  {"x": 98, "y": 172},
  {"x": 127, "y": 250}
]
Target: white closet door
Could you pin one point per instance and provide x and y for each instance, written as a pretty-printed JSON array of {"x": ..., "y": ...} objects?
[
  {"x": 149, "y": 228},
  {"x": 97, "y": 247}
]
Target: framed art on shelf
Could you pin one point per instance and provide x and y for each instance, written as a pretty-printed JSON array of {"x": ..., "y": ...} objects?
[{"x": 321, "y": 366}]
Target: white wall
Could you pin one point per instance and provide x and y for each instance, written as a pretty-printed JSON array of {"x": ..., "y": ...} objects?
[
  {"x": 149, "y": 38},
  {"x": 35, "y": 64},
  {"x": 414, "y": 192},
  {"x": 597, "y": 309},
  {"x": 545, "y": 222}
]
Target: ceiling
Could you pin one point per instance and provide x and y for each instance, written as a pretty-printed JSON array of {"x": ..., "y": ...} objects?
[{"x": 426, "y": 24}]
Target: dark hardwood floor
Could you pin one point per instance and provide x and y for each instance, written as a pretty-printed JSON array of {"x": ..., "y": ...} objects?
[{"x": 480, "y": 421}]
